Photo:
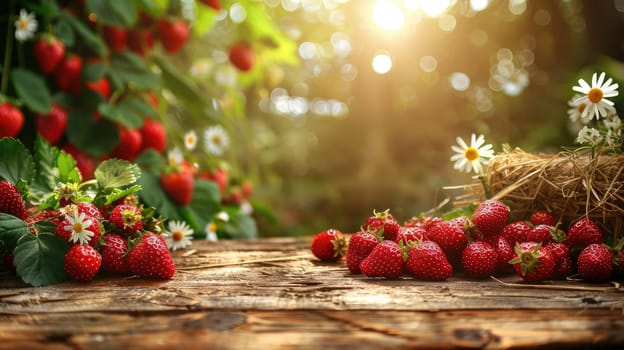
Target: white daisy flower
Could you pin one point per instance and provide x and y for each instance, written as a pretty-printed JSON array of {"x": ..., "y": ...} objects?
[
  {"x": 175, "y": 156},
  {"x": 211, "y": 232},
  {"x": 594, "y": 96},
  {"x": 78, "y": 225},
  {"x": 190, "y": 140},
  {"x": 178, "y": 235},
  {"x": 223, "y": 216},
  {"x": 25, "y": 26},
  {"x": 576, "y": 110},
  {"x": 216, "y": 140},
  {"x": 589, "y": 136},
  {"x": 473, "y": 157},
  {"x": 201, "y": 67}
]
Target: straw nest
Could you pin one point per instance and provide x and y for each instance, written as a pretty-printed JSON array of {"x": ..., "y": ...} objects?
[{"x": 568, "y": 184}]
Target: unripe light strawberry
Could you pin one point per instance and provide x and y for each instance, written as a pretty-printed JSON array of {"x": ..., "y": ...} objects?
[
  {"x": 490, "y": 217},
  {"x": 150, "y": 258},
  {"x": 82, "y": 262},
  {"x": 329, "y": 245},
  {"x": 426, "y": 261},
  {"x": 11, "y": 201},
  {"x": 385, "y": 260},
  {"x": 595, "y": 263},
  {"x": 127, "y": 218},
  {"x": 114, "y": 252},
  {"x": 360, "y": 246},
  {"x": 479, "y": 259}
]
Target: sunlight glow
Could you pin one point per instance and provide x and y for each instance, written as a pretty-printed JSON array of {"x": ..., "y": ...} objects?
[
  {"x": 434, "y": 8},
  {"x": 388, "y": 15},
  {"x": 382, "y": 63}
]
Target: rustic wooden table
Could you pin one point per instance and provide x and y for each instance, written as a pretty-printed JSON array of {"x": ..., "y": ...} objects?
[{"x": 272, "y": 293}]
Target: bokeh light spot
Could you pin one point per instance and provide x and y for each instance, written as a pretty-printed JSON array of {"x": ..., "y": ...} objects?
[
  {"x": 388, "y": 15},
  {"x": 447, "y": 22},
  {"x": 382, "y": 63},
  {"x": 238, "y": 14},
  {"x": 479, "y": 5},
  {"x": 460, "y": 81},
  {"x": 428, "y": 63}
]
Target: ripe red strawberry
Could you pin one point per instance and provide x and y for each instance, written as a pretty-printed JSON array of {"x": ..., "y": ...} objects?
[
  {"x": 48, "y": 52},
  {"x": 516, "y": 232},
  {"x": 154, "y": 135},
  {"x": 114, "y": 251},
  {"x": 172, "y": 34},
  {"x": 618, "y": 258},
  {"x": 50, "y": 215},
  {"x": 11, "y": 120},
  {"x": 451, "y": 237},
  {"x": 129, "y": 145},
  {"x": 218, "y": 176},
  {"x": 79, "y": 228},
  {"x": 532, "y": 262},
  {"x": 140, "y": 41},
  {"x": 582, "y": 233},
  {"x": 504, "y": 251},
  {"x": 563, "y": 260},
  {"x": 595, "y": 263},
  {"x": 84, "y": 163},
  {"x": 426, "y": 261},
  {"x": 382, "y": 223},
  {"x": 115, "y": 37},
  {"x": 52, "y": 126},
  {"x": 544, "y": 234},
  {"x": 179, "y": 186},
  {"x": 101, "y": 86},
  {"x": 89, "y": 209},
  {"x": 329, "y": 245},
  {"x": 540, "y": 217},
  {"x": 150, "y": 258},
  {"x": 360, "y": 246},
  {"x": 82, "y": 262},
  {"x": 127, "y": 218},
  {"x": 212, "y": 3},
  {"x": 490, "y": 217},
  {"x": 479, "y": 259},
  {"x": 242, "y": 56},
  {"x": 385, "y": 260},
  {"x": 67, "y": 74},
  {"x": 11, "y": 201},
  {"x": 409, "y": 234}
]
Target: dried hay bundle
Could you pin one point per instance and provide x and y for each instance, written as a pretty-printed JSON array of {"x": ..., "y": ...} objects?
[{"x": 567, "y": 184}]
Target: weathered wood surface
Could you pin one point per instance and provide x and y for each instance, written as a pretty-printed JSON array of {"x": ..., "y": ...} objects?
[{"x": 272, "y": 293}]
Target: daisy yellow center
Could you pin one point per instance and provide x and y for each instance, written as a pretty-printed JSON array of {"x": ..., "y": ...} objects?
[
  {"x": 471, "y": 154},
  {"x": 595, "y": 95},
  {"x": 216, "y": 139},
  {"x": 177, "y": 236},
  {"x": 581, "y": 107},
  {"x": 22, "y": 23},
  {"x": 212, "y": 227},
  {"x": 190, "y": 139},
  {"x": 78, "y": 227}
]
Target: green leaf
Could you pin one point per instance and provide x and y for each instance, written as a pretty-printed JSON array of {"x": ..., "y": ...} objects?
[
  {"x": 154, "y": 8},
  {"x": 90, "y": 136},
  {"x": 205, "y": 18},
  {"x": 65, "y": 33},
  {"x": 45, "y": 227},
  {"x": 239, "y": 226},
  {"x": 32, "y": 90},
  {"x": 189, "y": 94},
  {"x": 153, "y": 195},
  {"x": 151, "y": 161},
  {"x": 118, "y": 13},
  {"x": 39, "y": 259},
  {"x": 130, "y": 68},
  {"x": 117, "y": 193},
  {"x": 11, "y": 230},
  {"x": 93, "y": 72},
  {"x": 46, "y": 172},
  {"x": 205, "y": 203},
  {"x": 91, "y": 41},
  {"x": 68, "y": 169},
  {"x": 15, "y": 161},
  {"x": 465, "y": 210},
  {"x": 114, "y": 173},
  {"x": 129, "y": 113}
]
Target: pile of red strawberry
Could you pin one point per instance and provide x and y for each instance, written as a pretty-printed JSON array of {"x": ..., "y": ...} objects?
[
  {"x": 483, "y": 244},
  {"x": 112, "y": 240}
]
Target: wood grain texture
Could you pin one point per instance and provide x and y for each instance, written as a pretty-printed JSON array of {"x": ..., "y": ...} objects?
[{"x": 272, "y": 293}]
